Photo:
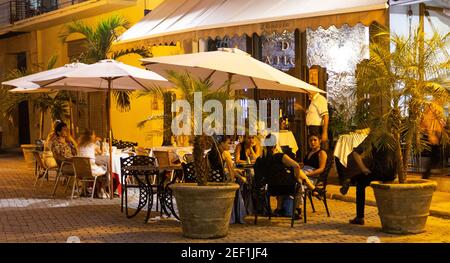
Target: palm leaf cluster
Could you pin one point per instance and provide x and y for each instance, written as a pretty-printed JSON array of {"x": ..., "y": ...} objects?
[
  {"x": 99, "y": 40},
  {"x": 404, "y": 81},
  {"x": 186, "y": 85}
]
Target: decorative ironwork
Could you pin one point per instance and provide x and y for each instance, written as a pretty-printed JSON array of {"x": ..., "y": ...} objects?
[{"x": 137, "y": 167}]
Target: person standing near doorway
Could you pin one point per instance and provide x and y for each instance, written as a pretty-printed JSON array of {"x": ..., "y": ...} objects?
[{"x": 317, "y": 117}]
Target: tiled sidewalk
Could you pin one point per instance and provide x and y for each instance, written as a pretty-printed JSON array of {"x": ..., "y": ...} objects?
[{"x": 32, "y": 215}]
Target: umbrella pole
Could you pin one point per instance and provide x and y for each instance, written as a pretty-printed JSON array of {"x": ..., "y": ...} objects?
[{"x": 110, "y": 185}]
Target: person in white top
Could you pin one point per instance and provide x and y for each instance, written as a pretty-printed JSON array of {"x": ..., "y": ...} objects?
[
  {"x": 317, "y": 118},
  {"x": 87, "y": 147}
]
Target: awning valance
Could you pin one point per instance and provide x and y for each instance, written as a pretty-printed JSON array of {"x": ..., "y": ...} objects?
[{"x": 177, "y": 20}]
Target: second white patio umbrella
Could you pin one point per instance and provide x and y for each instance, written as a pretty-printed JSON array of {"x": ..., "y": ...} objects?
[
  {"x": 106, "y": 75},
  {"x": 25, "y": 84},
  {"x": 230, "y": 64}
]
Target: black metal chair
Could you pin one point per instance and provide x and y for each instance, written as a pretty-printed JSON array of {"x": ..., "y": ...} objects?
[
  {"x": 321, "y": 183},
  {"x": 267, "y": 184},
  {"x": 188, "y": 172},
  {"x": 137, "y": 167}
]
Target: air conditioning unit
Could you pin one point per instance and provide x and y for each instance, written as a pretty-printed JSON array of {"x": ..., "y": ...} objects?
[{"x": 406, "y": 2}]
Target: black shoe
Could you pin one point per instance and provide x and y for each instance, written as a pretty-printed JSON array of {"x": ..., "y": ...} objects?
[
  {"x": 357, "y": 221},
  {"x": 345, "y": 187}
]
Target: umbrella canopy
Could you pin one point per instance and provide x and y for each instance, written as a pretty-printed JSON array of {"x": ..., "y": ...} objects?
[
  {"x": 232, "y": 63},
  {"x": 25, "y": 84},
  {"x": 96, "y": 77},
  {"x": 106, "y": 75}
]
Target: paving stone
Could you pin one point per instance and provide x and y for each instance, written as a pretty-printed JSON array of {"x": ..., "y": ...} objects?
[{"x": 29, "y": 214}]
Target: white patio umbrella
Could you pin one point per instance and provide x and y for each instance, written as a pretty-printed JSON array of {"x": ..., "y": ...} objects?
[
  {"x": 25, "y": 84},
  {"x": 230, "y": 64},
  {"x": 106, "y": 75}
]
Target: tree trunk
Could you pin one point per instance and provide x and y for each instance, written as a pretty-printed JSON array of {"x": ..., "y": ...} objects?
[
  {"x": 167, "y": 132},
  {"x": 41, "y": 127},
  {"x": 399, "y": 156},
  {"x": 200, "y": 163}
]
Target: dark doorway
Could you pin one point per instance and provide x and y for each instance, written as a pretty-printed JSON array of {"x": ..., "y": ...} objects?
[
  {"x": 24, "y": 119},
  {"x": 22, "y": 61},
  {"x": 24, "y": 123}
]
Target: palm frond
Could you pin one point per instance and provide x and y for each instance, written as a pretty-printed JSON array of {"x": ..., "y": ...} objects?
[
  {"x": 143, "y": 52},
  {"x": 123, "y": 99}
]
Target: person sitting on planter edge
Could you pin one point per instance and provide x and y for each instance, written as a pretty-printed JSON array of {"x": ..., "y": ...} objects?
[
  {"x": 368, "y": 162},
  {"x": 221, "y": 156}
]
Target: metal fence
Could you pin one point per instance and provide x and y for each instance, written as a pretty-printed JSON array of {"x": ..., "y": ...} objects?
[{"x": 16, "y": 10}]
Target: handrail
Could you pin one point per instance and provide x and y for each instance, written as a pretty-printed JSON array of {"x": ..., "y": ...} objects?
[{"x": 17, "y": 10}]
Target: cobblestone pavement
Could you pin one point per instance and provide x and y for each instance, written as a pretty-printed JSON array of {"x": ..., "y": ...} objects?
[{"x": 30, "y": 214}]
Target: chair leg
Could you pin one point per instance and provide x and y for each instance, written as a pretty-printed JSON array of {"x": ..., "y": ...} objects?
[
  {"x": 304, "y": 206},
  {"x": 294, "y": 205},
  {"x": 73, "y": 186},
  {"x": 310, "y": 196},
  {"x": 44, "y": 176},
  {"x": 269, "y": 208},
  {"x": 125, "y": 193},
  {"x": 37, "y": 179},
  {"x": 93, "y": 187},
  {"x": 121, "y": 194},
  {"x": 326, "y": 205},
  {"x": 67, "y": 185},
  {"x": 56, "y": 184}
]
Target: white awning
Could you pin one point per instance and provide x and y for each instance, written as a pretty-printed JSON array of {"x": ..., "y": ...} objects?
[{"x": 181, "y": 16}]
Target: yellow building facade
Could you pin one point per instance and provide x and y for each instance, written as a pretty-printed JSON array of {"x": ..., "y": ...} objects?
[{"x": 34, "y": 40}]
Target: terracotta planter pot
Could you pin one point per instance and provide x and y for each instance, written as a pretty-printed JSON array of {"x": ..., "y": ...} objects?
[
  {"x": 404, "y": 208},
  {"x": 205, "y": 211}
]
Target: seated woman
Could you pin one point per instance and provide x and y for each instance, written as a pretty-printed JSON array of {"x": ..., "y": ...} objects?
[
  {"x": 249, "y": 149},
  {"x": 62, "y": 145},
  {"x": 223, "y": 145},
  {"x": 315, "y": 160},
  {"x": 87, "y": 147},
  {"x": 275, "y": 164}
]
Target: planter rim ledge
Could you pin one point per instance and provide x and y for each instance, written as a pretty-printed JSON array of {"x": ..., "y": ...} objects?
[{"x": 408, "y": 185}]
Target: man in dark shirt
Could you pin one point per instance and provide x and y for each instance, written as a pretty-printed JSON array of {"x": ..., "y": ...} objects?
[{"x": 367, "y": 163}]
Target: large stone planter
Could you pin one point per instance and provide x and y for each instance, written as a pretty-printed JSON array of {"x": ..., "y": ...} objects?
[
  {"x": 404, "y": 208},
  {"x": 205, "y": 211}
]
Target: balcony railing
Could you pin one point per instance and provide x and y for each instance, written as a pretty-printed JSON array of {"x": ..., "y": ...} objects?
[{"x": 16, "y": 10}]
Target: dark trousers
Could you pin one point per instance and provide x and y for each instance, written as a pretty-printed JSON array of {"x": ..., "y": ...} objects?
[{"x": 362, "y": 181}]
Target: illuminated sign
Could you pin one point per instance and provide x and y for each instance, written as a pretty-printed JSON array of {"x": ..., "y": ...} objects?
[{"x": 278, "y": 50}]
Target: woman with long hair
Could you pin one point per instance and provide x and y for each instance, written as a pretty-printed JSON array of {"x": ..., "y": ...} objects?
[{"x": 88, "y": 148}]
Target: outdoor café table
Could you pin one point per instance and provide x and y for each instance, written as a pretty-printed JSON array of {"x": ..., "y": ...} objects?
[
  {"x": 286, "y": 138},
  {"x": 116, "y": 169},
  {"x": 345, "y": 145}
]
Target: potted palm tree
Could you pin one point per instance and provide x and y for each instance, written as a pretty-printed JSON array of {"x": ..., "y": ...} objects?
[
  {"x": 404, "y": 81},
  {"x": 204, "y": 207}
]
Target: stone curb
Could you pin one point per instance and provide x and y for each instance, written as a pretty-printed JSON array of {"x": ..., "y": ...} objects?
[{"x": 433, "y": 212}]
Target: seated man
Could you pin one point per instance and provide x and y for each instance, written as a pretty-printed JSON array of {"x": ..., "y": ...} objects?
[
  {"x": 368, "y": 162},
  {"x": 272, "y": 167}
]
